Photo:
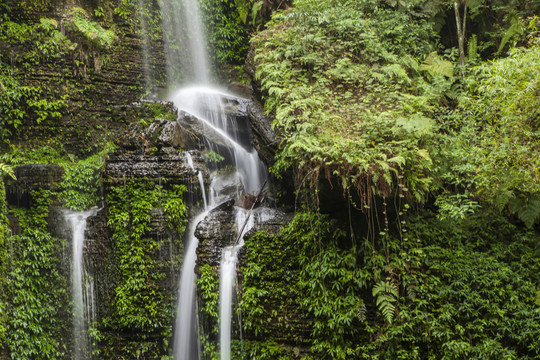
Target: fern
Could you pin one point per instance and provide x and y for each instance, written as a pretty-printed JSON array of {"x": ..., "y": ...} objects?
[
  {"x": 434, "y": 65},
  {"x": 361, "y": 312},
  {"x": 4, "y": 168},
  {"x": 386, "y": 293},
  {"x": 91, "y": 31},
  {"x": 472, "y": 48},
  {"x": 515, "y": 30},
  {"x": 527, "y": 208}
]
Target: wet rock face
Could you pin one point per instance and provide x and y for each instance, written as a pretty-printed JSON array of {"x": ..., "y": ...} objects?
[
  {"x": 264, "y": 139},
  {"x": 272, "y": 226},
  {"x": 215, "y": 232},
  {"x": 170, "y": 168},
  {"x": 153, "y": 153},
  {"x": 193, "y": 125},
  {"x": 32, "y": 177},
  {"x": 254, "y": 128},
  {"x": 219, "y": 229},
  {"x": 161, "y": 136},
  {"x": 94, "y": 83}
]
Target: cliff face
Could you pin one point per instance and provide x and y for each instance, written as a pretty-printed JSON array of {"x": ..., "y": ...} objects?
[
  {"x": 82, "y": 60},
  {"x": 76, "y": 91},
  {"x": 72, "y": 76}
]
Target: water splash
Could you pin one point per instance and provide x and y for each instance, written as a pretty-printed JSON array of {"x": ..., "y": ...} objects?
[{"x": 206, "y": 103}]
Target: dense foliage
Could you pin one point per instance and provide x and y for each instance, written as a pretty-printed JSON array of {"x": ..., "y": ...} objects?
[
  {"x": 367, "y": 97},
  {"x": 446, "y": 295},
  {"x": 33, "y": 325},
  {"x": 372, "y": 96},
  {"x": 227, "y": 36},
  {"x": 494, "y": 134},
  {"x": 139, "y": 303},
  {"x": 386, "y": 98},
  {"x": 349, "y": 95}
]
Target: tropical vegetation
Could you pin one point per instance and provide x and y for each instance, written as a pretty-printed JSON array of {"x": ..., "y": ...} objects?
[{"x": 408, "y": 158}]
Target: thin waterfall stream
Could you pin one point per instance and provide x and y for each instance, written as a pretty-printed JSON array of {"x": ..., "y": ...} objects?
[{"x": 82, "y": 285}]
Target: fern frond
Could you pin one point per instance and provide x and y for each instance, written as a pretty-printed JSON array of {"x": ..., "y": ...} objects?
[
  {"x": 4, "y": 168},
  {"x": 434, "y": 65},
  {"x": 386, "y": 293},
  {"x": 526, "y": 208}
]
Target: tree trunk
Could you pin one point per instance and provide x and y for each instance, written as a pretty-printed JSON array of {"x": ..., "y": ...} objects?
[{"x": 461, "y": 27}]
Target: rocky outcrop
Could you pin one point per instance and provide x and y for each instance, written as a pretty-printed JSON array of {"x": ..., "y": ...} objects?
[
  {"x": 155, "y": 154},
  {"x": 264, "y": 139},
  {"x": 170, "y": 168},
  {"x": 215, "y": 232}
]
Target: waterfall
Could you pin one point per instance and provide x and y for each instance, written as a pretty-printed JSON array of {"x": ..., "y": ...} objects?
[
  {"x": 186, "y": 345},
  {"x": 189, "y": 161},
  {"x": 205, "y": 103},
  {"x": 250, "y": 172},
  {"x": 244, "y": 222},
  {"x": 226, "y": 287},
  {"x": 185, "y": 46},
  {"x": 186, "y": 54},
  {"x": 82, "y": 286},
  {"x": 148, "y": 75}
]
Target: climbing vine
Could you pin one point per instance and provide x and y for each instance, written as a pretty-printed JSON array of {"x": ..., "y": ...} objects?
[
  {"x": 33, "y": 285},
  {"x": 138, "y": 302}
]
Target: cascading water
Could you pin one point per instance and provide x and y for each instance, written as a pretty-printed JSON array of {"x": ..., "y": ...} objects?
[
  {"x": 245, "y": 220},
  {"x": 251, "y": 171},
  {"x": 206, "y": 104},
  {"x": 186, "y": 345},
  {"x": 82, "y": 286},
  {"x": 189, "y": 161},
  {"x": 185, "y": 48}
]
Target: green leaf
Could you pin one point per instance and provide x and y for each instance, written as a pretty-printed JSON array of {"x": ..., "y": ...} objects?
[
  {"x": 527, "y": 208},
  {"x": 434, "y": 65},
  {"x": 7, "y": 170}
]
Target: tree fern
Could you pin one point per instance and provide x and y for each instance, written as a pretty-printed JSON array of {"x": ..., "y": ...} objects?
[{"x": 386, "y": 294}]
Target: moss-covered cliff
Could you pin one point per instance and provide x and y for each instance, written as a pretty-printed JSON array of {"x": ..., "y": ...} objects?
[{"x": 408, "y": 155}]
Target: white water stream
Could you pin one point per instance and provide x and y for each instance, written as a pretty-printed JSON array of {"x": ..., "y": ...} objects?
[
  {"x": 250, "y": 171},
  {"x": 186, "y": 54},
  {"x": 185, "y": 46},
  {"x": 82, "y": 286}
]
